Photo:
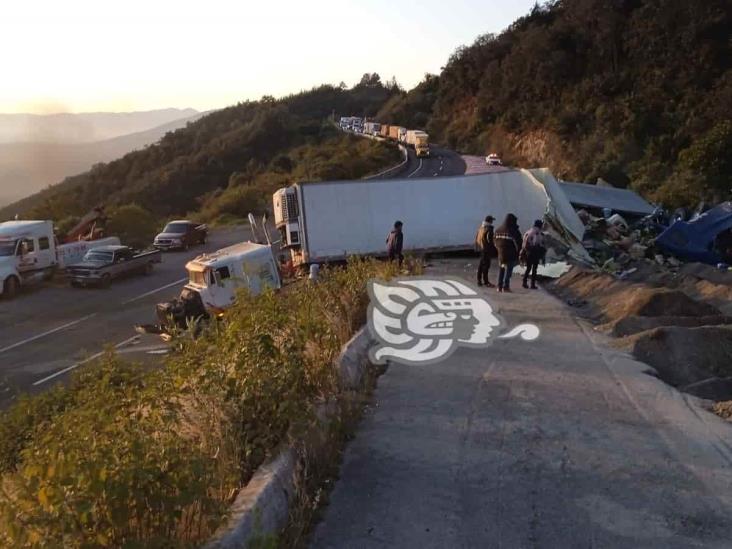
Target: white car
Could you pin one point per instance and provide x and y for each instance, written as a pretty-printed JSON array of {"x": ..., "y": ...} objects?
[{"x": 493, "y": 160}]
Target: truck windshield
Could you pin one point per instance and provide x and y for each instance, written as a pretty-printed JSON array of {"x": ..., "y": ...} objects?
[
  {"x": 175, "y": 228},
  {"x": 7, "y": 247},
  {"x": 94, "y": 255},
  {"x": 197, "y": 277}
]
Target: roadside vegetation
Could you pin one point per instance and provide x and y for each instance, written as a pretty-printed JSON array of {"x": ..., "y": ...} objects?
[
  {"x": 636, "y": 92},
  {"x": 128, "y": 457}
]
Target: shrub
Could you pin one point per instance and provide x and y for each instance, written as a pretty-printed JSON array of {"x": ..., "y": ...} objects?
[
  {"x": 133, "y": 224},
  {"x": 127, "y": 457}
]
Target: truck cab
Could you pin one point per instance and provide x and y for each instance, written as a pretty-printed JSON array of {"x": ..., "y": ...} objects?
[
  {"x": 218, "y": 276},
  {"x": 27, "y": 254}
]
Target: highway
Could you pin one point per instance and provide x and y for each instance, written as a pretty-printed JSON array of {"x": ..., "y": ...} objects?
[
  {"x": 440, "y": 163},
  {"x": 50, "y": 330}
]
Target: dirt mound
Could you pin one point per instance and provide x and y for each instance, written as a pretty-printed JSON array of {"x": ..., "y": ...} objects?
[
  {"x": 641, "y": 301},
  {"x": 614, "y": 299},
  {"x": 682, "y": 356},
  {"x": 630, "y": 325},
  {"x": 672, "y": 321}
]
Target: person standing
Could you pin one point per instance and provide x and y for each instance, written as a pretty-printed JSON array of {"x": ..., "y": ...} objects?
[
  {"x": 507, "y": 238},
  {"x": 486, "y": 247},
  {"x": 534, "y": 251},
  {"x": 395, "y": 243}
]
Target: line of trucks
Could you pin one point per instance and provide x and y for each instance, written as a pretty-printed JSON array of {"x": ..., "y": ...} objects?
[{"x": 417, "y": 139}]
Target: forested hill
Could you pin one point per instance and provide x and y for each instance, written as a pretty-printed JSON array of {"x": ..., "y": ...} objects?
[
  {"x": 228, "y": 160},
  {"x": 638, "y": 92}
]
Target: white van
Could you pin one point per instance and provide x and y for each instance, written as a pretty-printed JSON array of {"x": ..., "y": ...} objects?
[{"x": 216, "y": 277}]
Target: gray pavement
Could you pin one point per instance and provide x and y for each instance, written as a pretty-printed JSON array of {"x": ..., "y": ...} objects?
[
  {"x": 440, "y": 163},
  {"x": 563, "y": 442},
  {"x": 50, "y": 328}
]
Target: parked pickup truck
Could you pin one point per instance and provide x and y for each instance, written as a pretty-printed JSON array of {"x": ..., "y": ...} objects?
[
  {"x": 180, "y": 235},
  {"x": 102, "y": 265}
]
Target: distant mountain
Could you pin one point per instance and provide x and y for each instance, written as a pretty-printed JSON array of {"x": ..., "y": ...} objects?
[
  {"x": 26, "y": 168},
  {"x": 83, "y": 127},
  {"x": 230, "y": 160}
]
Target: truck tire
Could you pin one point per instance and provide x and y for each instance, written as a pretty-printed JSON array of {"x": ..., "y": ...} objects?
[
  {"x": 106, "y": 281},
  {"x": 11, "y": 287}
]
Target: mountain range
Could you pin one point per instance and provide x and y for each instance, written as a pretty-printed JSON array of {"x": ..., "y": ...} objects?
[{"x": 40, "y": 150}]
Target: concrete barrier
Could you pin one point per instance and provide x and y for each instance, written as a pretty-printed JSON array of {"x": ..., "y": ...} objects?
[{"x": 261, "y": 508}]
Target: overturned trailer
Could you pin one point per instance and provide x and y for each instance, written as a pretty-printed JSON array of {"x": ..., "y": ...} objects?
[{"x": 331, "y": 220}]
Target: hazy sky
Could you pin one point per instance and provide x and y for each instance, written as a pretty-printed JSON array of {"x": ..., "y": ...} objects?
[{"x": 74, "y": 55}]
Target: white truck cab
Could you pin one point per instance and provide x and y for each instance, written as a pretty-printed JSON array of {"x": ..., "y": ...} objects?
[
  {"x": 216, "y": 277},
  {"x": 27, "y": 253}
]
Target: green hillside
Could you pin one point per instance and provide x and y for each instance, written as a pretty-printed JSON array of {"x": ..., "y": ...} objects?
[
  {"x": 637, "y": 92},
  {"x": 229, "y": 161}
]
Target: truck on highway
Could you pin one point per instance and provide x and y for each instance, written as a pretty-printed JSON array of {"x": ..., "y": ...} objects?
[
  {"x": 371, "y": 128},
  {"x": 213, "y": 282},
  {"x": 395, "y": 131},
  {"x": 418, "y": 140},
  {"x": 332, "y": 220},
  {"x": 30, "y": 253},
  {"x": 384, "y": 131},
  {"x": 180, "y": 235},
  {"x": 106, "y": 263}
]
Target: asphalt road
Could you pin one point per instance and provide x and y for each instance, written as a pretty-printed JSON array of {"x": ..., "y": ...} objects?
[
  {"x": 49, "y": 330},
  {"x": 559, "y": 442},
  {"x": 440, "y": 163}
]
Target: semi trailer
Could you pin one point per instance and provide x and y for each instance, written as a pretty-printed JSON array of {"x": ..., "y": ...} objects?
[
  {"x": 419, "y": 141},
  {"x": 332, "y": 220}
]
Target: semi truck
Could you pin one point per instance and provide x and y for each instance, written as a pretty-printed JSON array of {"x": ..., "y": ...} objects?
[
  {"x": 419, "y": 141},
  {"x": 332, "y": 220},
  {"x": 384, "y": 131},
  {"x": 30, "y": 253},
  {"x": 395, "y": 132},
  {"x": 371, "y": 128}
]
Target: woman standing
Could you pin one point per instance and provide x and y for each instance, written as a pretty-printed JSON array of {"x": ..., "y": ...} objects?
[{"x": 508, "y": 242}]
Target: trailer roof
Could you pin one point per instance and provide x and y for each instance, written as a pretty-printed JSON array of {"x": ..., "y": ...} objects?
[
  {"x": 594, "y": 196},
  {"x": 243, "y": 248},
  {"x": 9, "y": 228}
]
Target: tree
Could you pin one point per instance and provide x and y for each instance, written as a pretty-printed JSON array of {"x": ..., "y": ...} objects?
[
  {"x": 134, "y": 225},
  {"x": 370, "y": 80},
  {"x": 710, "y": 159}
]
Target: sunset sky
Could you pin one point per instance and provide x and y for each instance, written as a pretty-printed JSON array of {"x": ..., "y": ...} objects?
[{"x": 82, "y": 56}]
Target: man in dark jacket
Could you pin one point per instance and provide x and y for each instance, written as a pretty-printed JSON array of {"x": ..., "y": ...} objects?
[
  {"x": 533, "y": 252},
  {"x": 508, "y": 243},
  {"x": 486, "y": 248},
  {"x": 395, "y": 242}
]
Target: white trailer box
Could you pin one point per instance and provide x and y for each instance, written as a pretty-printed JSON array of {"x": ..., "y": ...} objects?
[{"x": 329, "y": 221}]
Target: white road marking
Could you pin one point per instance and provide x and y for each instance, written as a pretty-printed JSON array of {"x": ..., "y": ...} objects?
[
  {"x": 49, "y": 332},
  {"x": 151, "y": 292},
  {"x": 89, "y": 359},
  {"x": 419, "y": 167}
]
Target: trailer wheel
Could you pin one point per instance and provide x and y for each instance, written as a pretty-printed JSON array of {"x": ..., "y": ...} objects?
[
  {"x": 106, "y": 280},
  {"x": 11, "y": 286}
]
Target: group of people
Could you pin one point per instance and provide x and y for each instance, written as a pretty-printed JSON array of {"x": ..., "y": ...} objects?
[
  {"x": 504, "y": 243},
  {"x": 510, "y": 248}
]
